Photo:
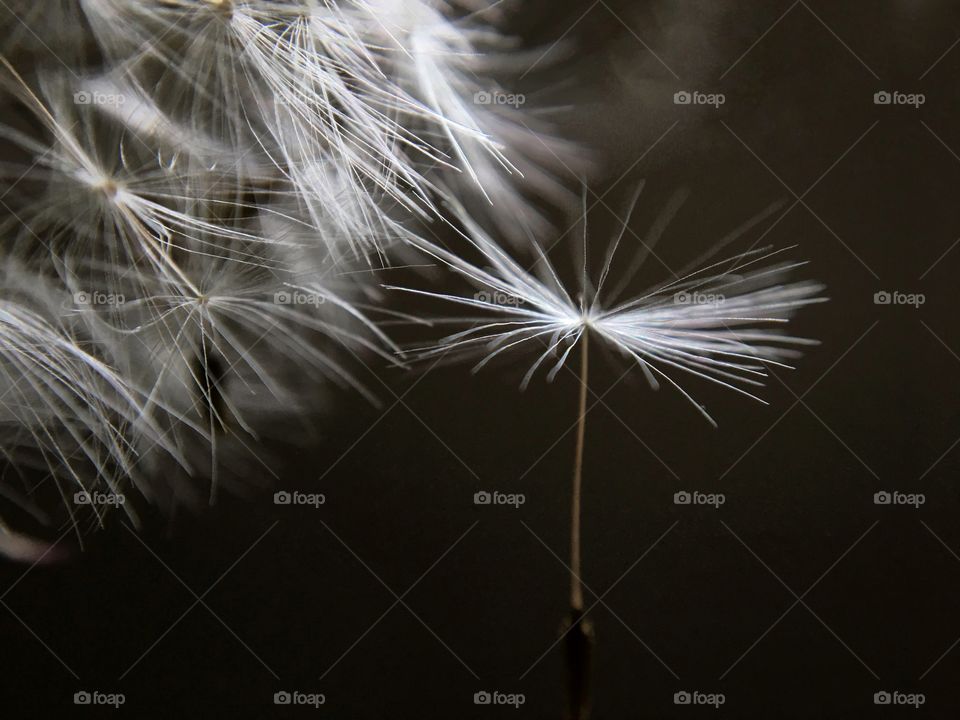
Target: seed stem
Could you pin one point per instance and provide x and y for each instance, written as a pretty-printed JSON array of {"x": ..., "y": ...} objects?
[{"x": 576, "y": 590}]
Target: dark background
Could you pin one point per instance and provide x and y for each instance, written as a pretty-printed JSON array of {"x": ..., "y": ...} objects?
[{"x": 798, "y": 598}]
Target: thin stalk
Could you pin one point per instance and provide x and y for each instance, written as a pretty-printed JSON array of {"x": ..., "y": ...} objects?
[
  {"x": 576, "y": 590},
  {"x": 579, "y": 632}
]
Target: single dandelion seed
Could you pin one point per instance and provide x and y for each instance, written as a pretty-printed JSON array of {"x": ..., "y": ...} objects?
[{"x": 720, "y": 322}]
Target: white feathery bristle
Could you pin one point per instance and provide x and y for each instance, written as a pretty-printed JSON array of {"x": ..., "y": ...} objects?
[{"x": 720, "y": 323}]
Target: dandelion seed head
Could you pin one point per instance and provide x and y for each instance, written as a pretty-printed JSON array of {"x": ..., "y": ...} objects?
[{"x": 226, "y": 175}]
